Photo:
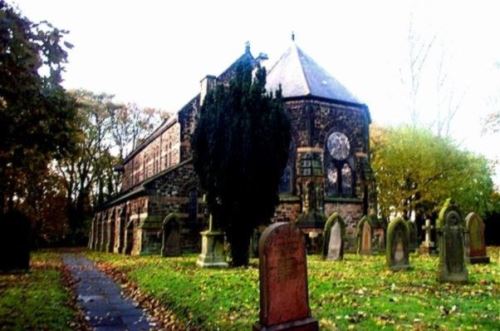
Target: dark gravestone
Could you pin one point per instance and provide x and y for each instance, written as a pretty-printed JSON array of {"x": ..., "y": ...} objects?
[
  {"x": 450, "y": 229},
  {"x": 397, "y": 250},
  {"x": 15, "y": 242},
  {"x": 333, "y": 238},
  {"x": 171, "y": 238},
  {"x": 477, "y": 245},
  {"x": 284, "y": 298},
  {"x": 413, "y": 238},
  {"x": 365, "y": 235}
]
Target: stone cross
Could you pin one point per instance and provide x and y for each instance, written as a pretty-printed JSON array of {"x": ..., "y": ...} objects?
[
  {"x": 427, "y": 244},
  {"x": 284, "y": 298}
]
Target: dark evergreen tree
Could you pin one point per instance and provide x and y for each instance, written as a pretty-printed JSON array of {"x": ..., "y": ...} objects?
[{"x": 240, "y": 149}]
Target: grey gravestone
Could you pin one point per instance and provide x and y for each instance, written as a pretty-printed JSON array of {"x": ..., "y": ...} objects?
[
  {"x": 171, "y": 236},
  {"x": 15, "y": 235},
  {"x": 450, "y": 229},
  {"x": 333, "y": 238},
  {"x": 427, "y": 245},
  {"x": 397, "y": 250},
  {"x": 365, "y": 235},
  {"x": 477, "y": 246},
  {"x": 284, "y": 298}
]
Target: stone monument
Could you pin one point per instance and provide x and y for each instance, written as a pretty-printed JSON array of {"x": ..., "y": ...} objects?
[
  {"x": 365, "y": 235},
  {"x": 171, "y": 236},
  {"x": 397, "y": 249},
  {"x": 450, "y": 229},
  {"x": 284, "y": 298},
  {"x": 333, "y": 238},
  {"x": 212, "y": 248},
  {"x": 477, "y": 246},
  {"x": 427, "y": 245}
]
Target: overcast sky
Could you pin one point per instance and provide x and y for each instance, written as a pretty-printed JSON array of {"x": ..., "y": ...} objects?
[{"x": 155, "y": 53}]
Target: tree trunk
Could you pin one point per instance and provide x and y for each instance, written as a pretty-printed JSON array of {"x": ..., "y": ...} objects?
[{"x": 240, "y": 243}]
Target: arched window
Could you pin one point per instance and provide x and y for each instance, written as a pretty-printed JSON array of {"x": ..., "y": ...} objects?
[{"x": 339, "y": 174}]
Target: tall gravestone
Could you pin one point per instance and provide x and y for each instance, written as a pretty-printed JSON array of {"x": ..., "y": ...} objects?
[
  {"x": 412, "y": 233},
  {"x": 477, "y": 245},
  {"x": 450, "y": 229},
  {"x": 333, "y": 238},
  {"x": 365, "y": 235},
  {"x": 397, "y": 250},
  {"x": 15, "y": 242},
  {"x": 284, "y": 298},
  {"x": 171, "y": 238}
]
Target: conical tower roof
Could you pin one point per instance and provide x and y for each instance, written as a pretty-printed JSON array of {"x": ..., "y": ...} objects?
[{"x": 299, "y": 76}]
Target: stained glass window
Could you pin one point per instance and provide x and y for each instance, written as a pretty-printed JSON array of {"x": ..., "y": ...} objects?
[
  {"x": 338, "y": 146},
  {"x": 346, "y": 179}
]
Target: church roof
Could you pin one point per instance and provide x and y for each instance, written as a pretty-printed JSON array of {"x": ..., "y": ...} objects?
[{"x": 299, "y": 75}]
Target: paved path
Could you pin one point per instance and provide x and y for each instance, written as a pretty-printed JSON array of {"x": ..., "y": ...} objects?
[{"x": 101, "y": 299}]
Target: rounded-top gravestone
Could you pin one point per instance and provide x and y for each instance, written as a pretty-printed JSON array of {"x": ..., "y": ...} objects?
[
  {"x": 333, "y": 238},
  {"x": 365, "y": 235},
  {"x": 477, "y": 245},
  {"x": 284, "y": 298},
  {"x": 451, "y": 240},
  {"x": 397, "y": 250}
]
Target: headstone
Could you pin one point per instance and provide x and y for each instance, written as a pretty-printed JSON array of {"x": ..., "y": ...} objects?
[
  {"x": 212, "y": 248},
  {"x": 427, "y": 245},
  {"x": 284, "y": 298},
  {"x": 413, "y": 239},
  {"x": 397, "y": 250},
  {"x": 450, "y": 229},
  {"x": 171, "y": 238},
  {"x": 333, "y": 238},
  {"x": 477, "y": 245},
  {"x": 365, "y": 235},
  {"x": 15, "y": 234}
]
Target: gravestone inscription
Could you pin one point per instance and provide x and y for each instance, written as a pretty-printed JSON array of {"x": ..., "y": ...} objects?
[{"x": 284, "y": 298}]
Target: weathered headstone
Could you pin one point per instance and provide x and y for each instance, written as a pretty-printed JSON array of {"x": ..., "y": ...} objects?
[
  {"x": 333, "y": 238},
  {"x": 365, "y": 235},
  {"x": 397, "y": 250},
  {"x": 477, "y": 245},
  {"x": 284, "y": 298},
  {"x": 427, "y": 245},
  {"x": 212, "y": 248},
  {"x": 15, "y": 234},
  {"x": 171, "y": 238},
  {"x": 450, "y": 230},
  {"x": 413, "y": 239}
]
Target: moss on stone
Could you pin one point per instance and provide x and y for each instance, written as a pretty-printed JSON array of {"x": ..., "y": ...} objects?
[
  {"x": 335, "y": 217},
  {"x": 393, "y": 224}
]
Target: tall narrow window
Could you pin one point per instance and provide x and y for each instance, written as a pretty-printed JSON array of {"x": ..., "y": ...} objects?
[{"x": 286, "y": 181}]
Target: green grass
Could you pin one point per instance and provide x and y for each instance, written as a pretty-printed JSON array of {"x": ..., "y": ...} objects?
[
  {"x": 358, "y": 293},
  {"x": 36, "y": 300}
]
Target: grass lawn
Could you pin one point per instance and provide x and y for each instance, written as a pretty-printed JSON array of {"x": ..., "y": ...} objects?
[
  {"x": 358, "y": 293},
  {"x": 36, "y": 300}
]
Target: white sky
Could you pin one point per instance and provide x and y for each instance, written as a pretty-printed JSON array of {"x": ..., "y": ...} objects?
[{"x": 155, "y": 53}]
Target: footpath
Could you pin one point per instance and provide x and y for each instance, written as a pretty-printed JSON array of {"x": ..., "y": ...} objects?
[{"x": 100, "y": 298}]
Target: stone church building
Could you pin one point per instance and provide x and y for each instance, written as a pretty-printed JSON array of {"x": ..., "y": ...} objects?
[{"x": 328, "y": 168}]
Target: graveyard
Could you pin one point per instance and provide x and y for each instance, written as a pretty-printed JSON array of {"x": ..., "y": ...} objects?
[
  {"x": 357, "y": 293},
  {"x": 156, "y": 176}
]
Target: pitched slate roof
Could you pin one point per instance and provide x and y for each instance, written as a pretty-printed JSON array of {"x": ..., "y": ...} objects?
[{"x": 299, "y": 75}]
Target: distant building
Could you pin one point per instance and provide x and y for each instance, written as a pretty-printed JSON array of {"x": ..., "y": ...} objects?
[{"x": 328, "y": 168}]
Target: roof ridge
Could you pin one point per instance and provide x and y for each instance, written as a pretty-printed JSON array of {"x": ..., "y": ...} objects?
[{"x": 297, "y": 52}]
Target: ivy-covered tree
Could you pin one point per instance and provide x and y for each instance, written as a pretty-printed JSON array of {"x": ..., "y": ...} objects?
[
  {"x": 240, "y": 148},
  {"x": 36, "y": 114}
]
